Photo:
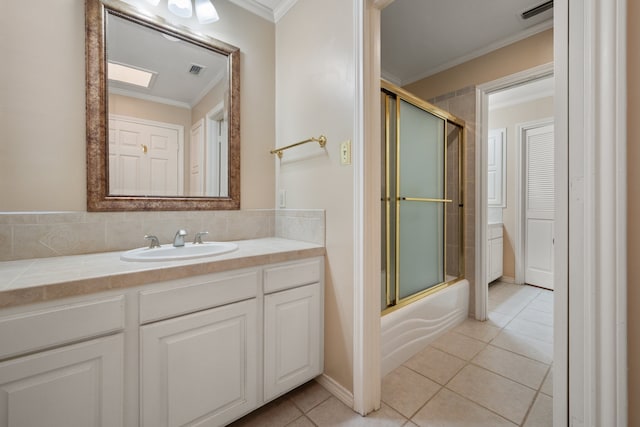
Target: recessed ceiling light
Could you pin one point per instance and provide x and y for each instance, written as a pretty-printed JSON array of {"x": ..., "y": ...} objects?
[{"x": 130, "y": 75}]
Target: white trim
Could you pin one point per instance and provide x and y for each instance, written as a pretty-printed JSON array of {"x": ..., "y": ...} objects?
[
  {"x": 280, "y": 8},
  {"x": 482, "y": 129},
  {"x": 337, "y": 390},
  {"x": 597, "y": 208},
  {"x": 561, "y": 250},
  {"x": 366, "y": 177},
  {"x": 256, "y": 8},
  {"x": 519, "y": 235},
  {"x": 150, "y": 98},
  {"x": 531, "y": 31}
]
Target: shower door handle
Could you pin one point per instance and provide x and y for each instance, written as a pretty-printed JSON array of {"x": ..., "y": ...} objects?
[{"x": 422, "y": 199}]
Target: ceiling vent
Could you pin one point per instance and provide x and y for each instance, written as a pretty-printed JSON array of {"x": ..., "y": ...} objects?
[
  {"x": 196, "y": 69},
  {"x": 537, "y": 10}
]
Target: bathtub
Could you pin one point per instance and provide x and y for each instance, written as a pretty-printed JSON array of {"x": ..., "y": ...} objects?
[{"x": 408, "y": 330}]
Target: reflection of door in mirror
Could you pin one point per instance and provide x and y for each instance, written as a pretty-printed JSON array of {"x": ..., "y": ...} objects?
[
  {"x": 145, "y": 157},
  {"x": 218, "y": 152},
  {"x": 196, "y": 165},
  {"x": 182, "y": 84}
]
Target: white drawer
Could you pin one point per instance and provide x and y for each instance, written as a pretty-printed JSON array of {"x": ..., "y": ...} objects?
[
  {"x": 39, "y": 329},
  {"x": 495, "y": 231},
  {"x": 291, "y": 275},
  {"x": 184, "y": 296}
]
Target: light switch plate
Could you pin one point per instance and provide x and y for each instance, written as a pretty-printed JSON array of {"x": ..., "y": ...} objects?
[{"x": 345, "y": 152}]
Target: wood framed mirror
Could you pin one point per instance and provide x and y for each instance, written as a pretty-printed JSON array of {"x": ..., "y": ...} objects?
[{"x": 172, "y": 143}]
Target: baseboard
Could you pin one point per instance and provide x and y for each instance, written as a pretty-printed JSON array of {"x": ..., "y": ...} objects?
[
  {"x": 333, "y": 387},
  {"x": 507, "y": 279}
]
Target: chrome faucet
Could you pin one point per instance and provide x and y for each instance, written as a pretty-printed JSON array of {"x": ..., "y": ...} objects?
[
  {"x": 178, "y": 240},
  {"x": 153, "y": 241},
  {"x": 197, "y": 240}
]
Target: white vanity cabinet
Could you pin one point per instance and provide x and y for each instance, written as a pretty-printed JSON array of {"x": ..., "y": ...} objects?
[
  {"x": 201, "y": 368},
  {"x": 293, "y": 326},
  {"x": 215, "y": 347},
  {"x": 495, "y": 252},
  {"x": 201, "y": 350},
  {"x": 54, "y": 372}
]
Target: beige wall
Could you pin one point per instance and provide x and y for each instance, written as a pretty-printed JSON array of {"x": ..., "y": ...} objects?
[
  {"x": 509, "y": 118},
  {"x": 633, "y": 211},
  {"x": 315, "y": 92},
  {"x": 519, "y": 56},
  {"x": 42, "y": 103}
]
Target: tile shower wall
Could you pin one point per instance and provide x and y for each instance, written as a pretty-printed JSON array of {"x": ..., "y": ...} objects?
[
  {"x": 49, "y": 234},
  {"x": 462, "y": 103}
]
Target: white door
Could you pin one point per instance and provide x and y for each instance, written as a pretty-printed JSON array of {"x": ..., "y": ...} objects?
[
  {"x": 200, "y": 369},
  {"x": 78, "y": 385},
  {"x": 143, "y": 158},
  {"x": 539, "y": 212},
  {"x": 197, "y": 164}
]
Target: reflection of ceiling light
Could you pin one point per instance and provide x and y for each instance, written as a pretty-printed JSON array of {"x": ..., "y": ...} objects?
[
  {"x": 126, "y": 74},
  {"x": 205, "y": 12},
  {"x": 181, "y": 8}
]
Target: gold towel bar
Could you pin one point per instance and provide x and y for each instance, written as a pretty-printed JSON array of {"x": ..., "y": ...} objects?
[{"x": 322, "y": 140}]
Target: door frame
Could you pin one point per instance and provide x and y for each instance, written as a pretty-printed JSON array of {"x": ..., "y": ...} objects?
[
  {"x": 590, "y": 122},
  {"x": 519, "y": 240},
  {"x": 482, "y": 204}
]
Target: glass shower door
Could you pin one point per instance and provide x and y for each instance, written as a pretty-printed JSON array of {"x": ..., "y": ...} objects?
[{"x": 420, "y": 200}]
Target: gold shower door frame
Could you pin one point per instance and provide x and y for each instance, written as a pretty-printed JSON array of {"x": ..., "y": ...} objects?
[{"x": 392, "y": 91}]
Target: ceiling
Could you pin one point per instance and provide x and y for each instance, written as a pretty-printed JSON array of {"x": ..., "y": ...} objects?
[
  {"x": 143, "y": 48},
  {"x": 423, "y": 37}
]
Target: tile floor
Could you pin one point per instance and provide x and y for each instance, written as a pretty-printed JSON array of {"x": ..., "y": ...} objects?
[{"x": 480, "y": 374}]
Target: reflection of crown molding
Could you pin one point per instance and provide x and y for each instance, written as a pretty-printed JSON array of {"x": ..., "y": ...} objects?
[
  {"x": 216, "y": 79},
  {"x": 272, "y": 13},
  {"x": 531, "y": 31},
  {"x": 158, "y": 99}
]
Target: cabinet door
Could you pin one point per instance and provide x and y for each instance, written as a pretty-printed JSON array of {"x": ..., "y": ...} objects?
[
  {"x": 200, "y": 369},
  {"x": 293, "y": 338},
  {"x": 495, "y": 250},
  {"x": 77, "y": 385}
]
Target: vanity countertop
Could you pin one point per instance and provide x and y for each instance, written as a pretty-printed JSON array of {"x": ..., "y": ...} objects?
[{"x": 42, "y": 279}]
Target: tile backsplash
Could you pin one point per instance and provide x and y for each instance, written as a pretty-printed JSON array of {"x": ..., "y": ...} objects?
[{"x": 49, "y": 234}]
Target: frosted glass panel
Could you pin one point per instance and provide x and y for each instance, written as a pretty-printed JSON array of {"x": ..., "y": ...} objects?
[
  {"x": 421, "y": 153},
  {"x": 421, "y": 246}
]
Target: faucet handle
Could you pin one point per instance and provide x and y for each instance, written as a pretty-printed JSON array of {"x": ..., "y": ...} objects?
[
  {"x": 154, "y": 243},
  {"x": 198, "y": 237}
]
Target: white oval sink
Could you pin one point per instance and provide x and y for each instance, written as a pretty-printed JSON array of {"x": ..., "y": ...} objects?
[{"x": 169, "y": 252}]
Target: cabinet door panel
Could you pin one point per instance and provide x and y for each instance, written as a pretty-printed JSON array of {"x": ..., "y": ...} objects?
[
  {"x": 200, "y": 369},
  {"x": 77, "y": 385},
  {"x": 293, "y": 338}
]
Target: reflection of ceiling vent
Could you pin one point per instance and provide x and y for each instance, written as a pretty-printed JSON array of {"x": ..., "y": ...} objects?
[
  {"x": 196, "y": 69},
  {"x": 537, "y": 10}
]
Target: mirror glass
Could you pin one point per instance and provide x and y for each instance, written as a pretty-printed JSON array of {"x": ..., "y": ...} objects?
[{"x": 166, "y": 135}]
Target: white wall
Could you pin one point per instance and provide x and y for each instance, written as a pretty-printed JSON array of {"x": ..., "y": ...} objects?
[
  {"x": 315, "y": 93},
  {"x": 42, "y": 102}
]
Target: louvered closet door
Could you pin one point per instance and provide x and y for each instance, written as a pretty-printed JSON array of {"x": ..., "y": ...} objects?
[{"x": 539, "y": 196}]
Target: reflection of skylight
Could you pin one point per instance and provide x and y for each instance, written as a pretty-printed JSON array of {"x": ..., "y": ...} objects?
[{"x": 130, "y": 75}]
